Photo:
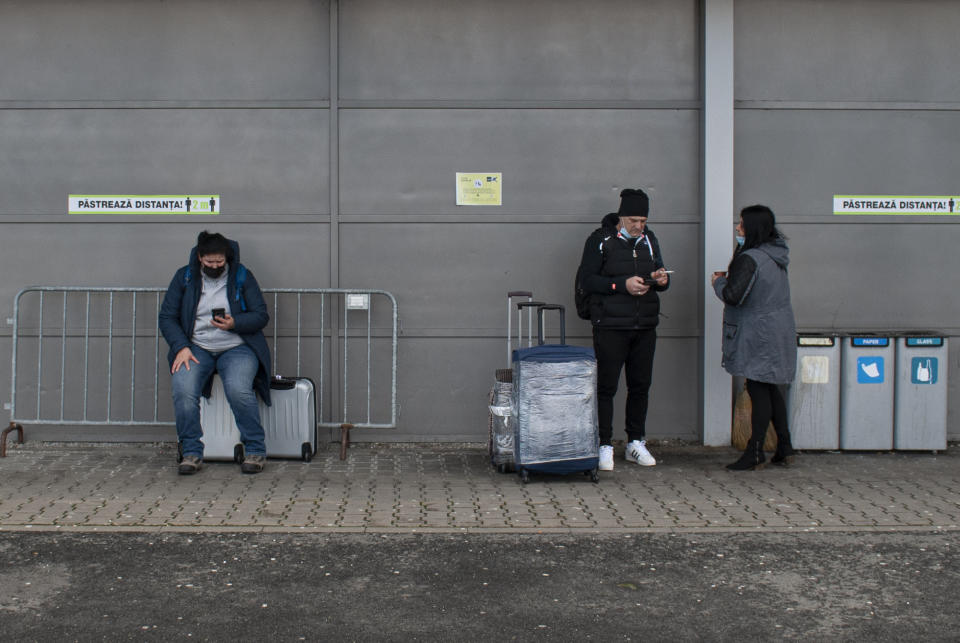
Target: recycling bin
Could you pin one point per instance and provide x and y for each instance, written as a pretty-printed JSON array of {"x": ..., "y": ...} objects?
[
  {"x": 813, "y": 402},
  {"x": 920, "y": 402},
  {"x": 866, "y": 392}
]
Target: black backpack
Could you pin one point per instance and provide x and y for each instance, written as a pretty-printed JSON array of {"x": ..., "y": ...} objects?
[{"x": 580, "y": 296}]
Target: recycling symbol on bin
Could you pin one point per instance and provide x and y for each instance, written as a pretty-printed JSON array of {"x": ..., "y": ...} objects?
[{"x": 869, "y": 370}]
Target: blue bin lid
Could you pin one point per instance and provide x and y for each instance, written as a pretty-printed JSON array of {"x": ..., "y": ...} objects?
[
  {"x": 924, "y": 340},
  {"x": 869, "y": 341}
]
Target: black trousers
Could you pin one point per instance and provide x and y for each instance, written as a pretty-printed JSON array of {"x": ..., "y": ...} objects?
[
  {"x": 768, "y": 405},
  {"x": 616, "y": 349}
]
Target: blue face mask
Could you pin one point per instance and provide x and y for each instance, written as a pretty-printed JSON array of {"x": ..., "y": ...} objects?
[
  {"x": 740, "y": 240},
  {"x": 624, "y": 232}
]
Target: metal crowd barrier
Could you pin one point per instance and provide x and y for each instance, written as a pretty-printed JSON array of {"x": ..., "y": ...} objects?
[{"x": 94, "y": 356}]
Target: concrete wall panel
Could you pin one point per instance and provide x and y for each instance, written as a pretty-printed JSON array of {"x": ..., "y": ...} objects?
[
  {"x": 261, "y": 161},
  {"x": 796, "y": 160},
  {"x": 855, "y": 50},
  {"x": 872, "y": 277},
  {"x": 433, "y": 49},
  {"x": 553, "y": 161},
  {"x": 178, "y": 50}
]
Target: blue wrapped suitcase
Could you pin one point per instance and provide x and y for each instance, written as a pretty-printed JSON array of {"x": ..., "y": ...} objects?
[{"x": 555, "y": 407}]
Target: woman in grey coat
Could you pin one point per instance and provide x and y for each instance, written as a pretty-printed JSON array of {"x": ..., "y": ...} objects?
[{"x": 759, "y": 335}]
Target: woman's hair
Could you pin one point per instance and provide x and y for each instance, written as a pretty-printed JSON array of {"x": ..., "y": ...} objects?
[
  {"x": 759, "y": 226},
  {"x": 213, "y": 243}
]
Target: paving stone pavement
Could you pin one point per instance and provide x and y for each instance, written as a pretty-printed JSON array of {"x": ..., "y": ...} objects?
[{"x": 452, "y": 488}]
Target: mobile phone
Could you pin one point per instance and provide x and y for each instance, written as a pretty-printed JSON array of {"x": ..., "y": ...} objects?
[{"x": 219, "y": 312}]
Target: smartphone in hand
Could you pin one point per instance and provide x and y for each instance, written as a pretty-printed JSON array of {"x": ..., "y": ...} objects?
[{"x": 218, "y": 312}]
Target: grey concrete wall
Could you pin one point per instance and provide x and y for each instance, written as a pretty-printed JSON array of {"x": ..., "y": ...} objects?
[
  {"x": 336, "y": 164},
  {"x": 854, "y": 97},
  {"x": 561, "y": 50},
  {"x": 570, "y": 101},
  {"x": 153, "y": 98},
  {"x": 176, "y": 50}
]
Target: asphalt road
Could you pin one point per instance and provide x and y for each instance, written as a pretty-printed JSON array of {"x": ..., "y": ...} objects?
[{"x": 404, "y": 587}]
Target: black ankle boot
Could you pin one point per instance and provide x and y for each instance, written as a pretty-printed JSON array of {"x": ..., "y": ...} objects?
[
  {"x": 783, "y": 456},
  {"x": 752, "y": 458}
]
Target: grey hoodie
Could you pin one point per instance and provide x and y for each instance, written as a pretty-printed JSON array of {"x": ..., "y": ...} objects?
[{"x": 759, "y": 333}]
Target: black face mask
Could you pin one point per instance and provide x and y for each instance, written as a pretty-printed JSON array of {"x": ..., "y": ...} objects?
[{"x": 213, "y": 273}]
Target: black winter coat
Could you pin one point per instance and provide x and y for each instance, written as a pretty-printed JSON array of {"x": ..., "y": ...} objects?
[{"x": 608, "y": 261}]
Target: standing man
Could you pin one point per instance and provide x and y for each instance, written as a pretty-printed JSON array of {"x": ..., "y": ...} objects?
[
  {"x": 622, "y": 271},
  {"x": 213, "y": 317}
]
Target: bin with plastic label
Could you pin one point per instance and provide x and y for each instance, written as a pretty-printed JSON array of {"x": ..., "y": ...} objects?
[
  {"x": 866, "y": 393},
  {"x": 920, "y": 402},
  {"x": 813, "y": 402}
]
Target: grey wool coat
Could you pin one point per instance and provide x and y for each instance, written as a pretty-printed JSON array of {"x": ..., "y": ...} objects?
[{"x": 759, "y": 332}]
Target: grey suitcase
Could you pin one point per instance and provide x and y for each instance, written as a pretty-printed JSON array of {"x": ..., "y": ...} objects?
[
  {"x": 221, "y": 437},
  {"x": 290, "y": 422}
]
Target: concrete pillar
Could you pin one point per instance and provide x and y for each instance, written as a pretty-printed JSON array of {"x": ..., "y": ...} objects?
[{"x": 717, "y": 208}]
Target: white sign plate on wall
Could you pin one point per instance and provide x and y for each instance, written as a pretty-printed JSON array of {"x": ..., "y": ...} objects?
[
  {"x": 143, "y": 204},
  {"x": 895, "y": 204}
]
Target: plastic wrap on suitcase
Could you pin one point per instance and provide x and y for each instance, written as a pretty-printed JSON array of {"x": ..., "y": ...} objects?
[
  {"x": 555, "y": 409},
  {"x": 501, "y": 425}
]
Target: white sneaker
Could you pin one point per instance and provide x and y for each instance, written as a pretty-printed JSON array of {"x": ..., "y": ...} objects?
[
  {"x": 606, "y": 458},
  {"x": 637, "y": 452}
]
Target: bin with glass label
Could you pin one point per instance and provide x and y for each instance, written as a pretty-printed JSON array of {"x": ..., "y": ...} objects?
[
  {"x": 813, "y": 401},
  {"x": 866, "y": 393},
  {"x": 920, "y": 401}
]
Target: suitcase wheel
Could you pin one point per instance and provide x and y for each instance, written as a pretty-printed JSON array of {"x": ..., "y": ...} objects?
[
  {"x": 524, "y": 476},
  {"x": 306, "y": 452},
  {"x": 238, "y": 453},
  {"x": 594, "y": 475},
  {"x": 179, "y": 453}
]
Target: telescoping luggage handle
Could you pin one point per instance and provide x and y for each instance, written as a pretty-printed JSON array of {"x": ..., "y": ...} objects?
[
  {"x": 529, "y": 306},
  {"x": 510, "y": 296},
  {"x": 563, "y": 323}
]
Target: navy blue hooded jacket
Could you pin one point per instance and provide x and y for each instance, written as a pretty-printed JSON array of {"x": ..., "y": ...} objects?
[{"x": 247, "y": 307}]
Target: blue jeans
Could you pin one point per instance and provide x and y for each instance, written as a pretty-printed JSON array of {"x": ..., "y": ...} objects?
[{"x": 237, "y": 368}]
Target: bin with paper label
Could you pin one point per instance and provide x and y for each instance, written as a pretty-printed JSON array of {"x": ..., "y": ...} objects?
[
  {"x": 866, "y": 392},
  {"x": 813, "y": 401},
  {"x": 920, "y": 402}
]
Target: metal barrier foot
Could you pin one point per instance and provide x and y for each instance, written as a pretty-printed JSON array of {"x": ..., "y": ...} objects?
[
  {"x": 344, "y": 439},
  {"x": 3, "y": 437}
]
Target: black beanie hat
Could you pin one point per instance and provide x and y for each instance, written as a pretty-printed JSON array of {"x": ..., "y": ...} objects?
[{"x": 634, "y": 203}]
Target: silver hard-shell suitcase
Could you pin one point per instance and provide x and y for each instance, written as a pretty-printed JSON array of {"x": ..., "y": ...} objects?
[
  {"x": 221, "y": 437},
  {"x": 290, "y": 423}
]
